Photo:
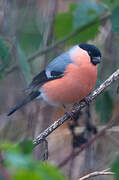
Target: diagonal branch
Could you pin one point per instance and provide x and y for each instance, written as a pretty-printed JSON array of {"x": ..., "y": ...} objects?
[{"x": 77, "y": 107}]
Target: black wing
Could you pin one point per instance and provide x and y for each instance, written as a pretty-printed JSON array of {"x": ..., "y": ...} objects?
[{"x": 41, "y": 78}]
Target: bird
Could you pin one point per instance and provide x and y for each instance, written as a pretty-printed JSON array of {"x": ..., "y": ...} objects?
[{"x": 67, "y": 79}]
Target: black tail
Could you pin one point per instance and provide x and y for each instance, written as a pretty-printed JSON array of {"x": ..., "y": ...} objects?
[{"x": 29, "y": 98}]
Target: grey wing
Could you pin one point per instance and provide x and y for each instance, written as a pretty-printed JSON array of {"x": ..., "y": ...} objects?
[{"x": 58, "y": 65}]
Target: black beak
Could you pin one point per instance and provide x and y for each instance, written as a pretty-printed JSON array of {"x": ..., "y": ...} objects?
[{"x": 96, "y": 60}]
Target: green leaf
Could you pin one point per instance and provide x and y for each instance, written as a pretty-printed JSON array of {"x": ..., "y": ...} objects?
[
  {"x": 63, "y": 22},
  {"x": 26, "y": 146},
  {"x": 49, "y": 172},
  {"x": 25, "y": 174},
  {"x": 21, "y": 165},
  {"x": 16, "y": 154},
  {"x": 30, "y": 41},
  {"x": 8, "y": 146},
  {"x": 115, "y": 168},
  {"x": 115, "y": 20},
  {"x": 42, "y": 171},
  {"x": 25, "y": 166},
  {"x": 87, "y": 34},
  {"x": 72, "y": 7},
  {"x": 24, "y": 64},
  {"x": 30, "y": 37},
  {"x": 63, "y": 25},
  {"x": 87, "y": 11},
  {"x": 17, "y": 160},
  {"x": 104, "y": 106}
]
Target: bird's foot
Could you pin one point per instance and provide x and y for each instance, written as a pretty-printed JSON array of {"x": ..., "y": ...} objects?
[
  {"x": 87, "y": 100},
  {"x": 72, "y": 115}
]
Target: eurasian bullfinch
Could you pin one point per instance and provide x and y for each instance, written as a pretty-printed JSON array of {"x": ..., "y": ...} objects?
[{"x": 67, "y": 79}]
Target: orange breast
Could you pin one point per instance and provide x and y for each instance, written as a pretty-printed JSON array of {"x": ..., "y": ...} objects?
[{"x": 74, "y": 86}]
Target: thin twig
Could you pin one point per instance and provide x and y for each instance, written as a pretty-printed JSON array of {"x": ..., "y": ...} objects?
[
  {"x": 62, "y": 41},
  {"x": 78, "y": 107},
  {"x": 96, "y": 173}
]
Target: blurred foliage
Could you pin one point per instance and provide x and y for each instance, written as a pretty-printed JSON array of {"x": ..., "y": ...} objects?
[
  {"x": 30, "y": 38},
  {"x": 24, "y": 64},
  {"x": 29, "y": 34},
  {"x": 115, "y": 168},
  {"x": 23, "y": 146},
  {"x": 115, "y": 20},
  {"x": 86, "y": 12},
  {"x": 63, "y": 24},
  {"x": 19, "y": 163},
  {"x": 104, "y": 106},
  {"x": 111, "y": 3},
  {"x": 79, "y": 15},
  {"x": 4, "y": 56}
]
